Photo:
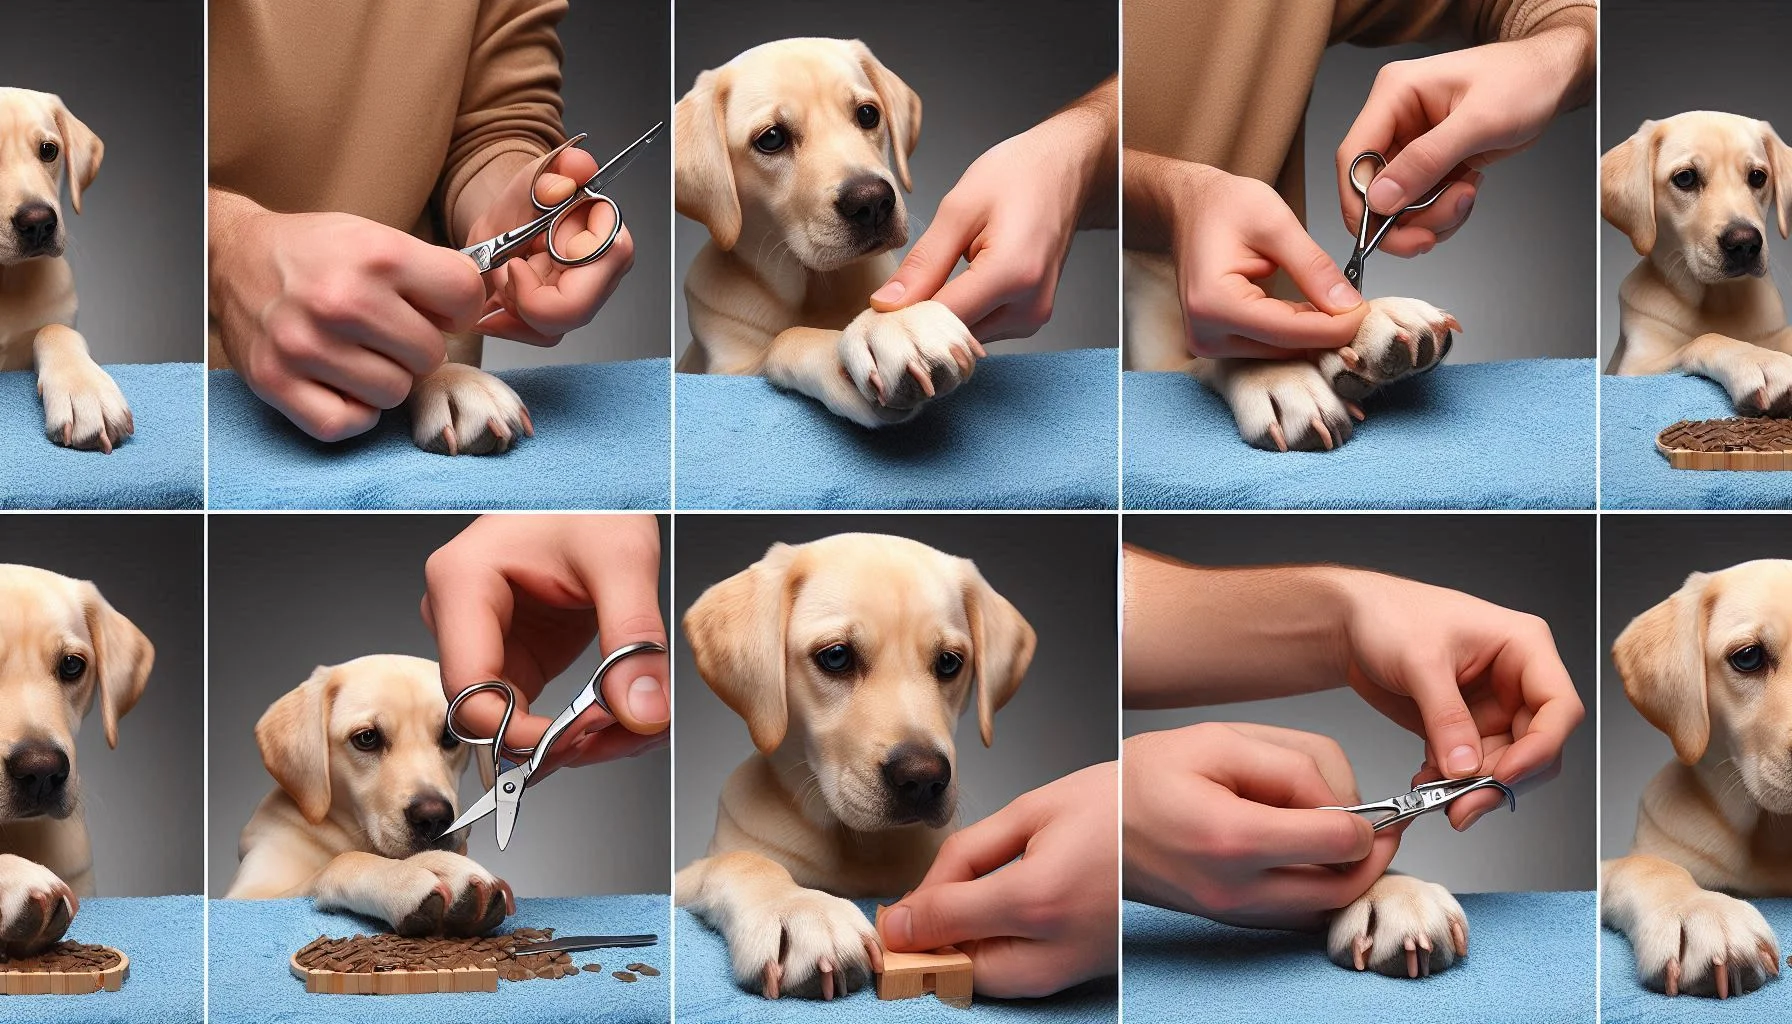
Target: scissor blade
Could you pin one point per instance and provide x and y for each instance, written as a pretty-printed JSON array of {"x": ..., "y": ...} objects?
[
  {"x": 581, "y": 943},
  {"x": 613, "y": 167},
  {"x": 508, "y": 792},
  {"x": 480, "y": 808}
]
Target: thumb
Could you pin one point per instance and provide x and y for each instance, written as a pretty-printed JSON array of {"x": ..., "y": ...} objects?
[
  {"x": 1449, "y": 727},
  {"x": 1313, "y": 271},
  {"x": 1422, "y": 163},
  {"x": 954, "y": 912},
  {"x": 928, "y": 263}
]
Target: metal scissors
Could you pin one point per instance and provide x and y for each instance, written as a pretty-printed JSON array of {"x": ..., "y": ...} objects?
[
  {"x": 508, "y": 785},
  {"x": 494, "y": 251},
  {"x": 1427, "y": 797},
  {"x": 1367, "y": 243}
]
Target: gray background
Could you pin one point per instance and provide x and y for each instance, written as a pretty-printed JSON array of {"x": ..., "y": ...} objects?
[
  {"x": 1644, "y": 559},
  {"x": 1542, "y": 564},
  {"x": 1057, "y": 569},
  {"x": 1519, "y": 272},
  {"x": 984, "y": 70},
  {"x": 1665, "y": 57},
  {"x": 133, "y": 73},
  {"x": 145, "y": 801},
  {"x": 289, "y": 593}
]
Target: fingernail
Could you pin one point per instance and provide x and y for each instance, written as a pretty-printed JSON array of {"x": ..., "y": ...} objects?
[
  {"x": 646, "y": 701},
  {"x": 1343, "y": 297},
  {"x": 892, "y": 291},
  {"x": 897, "y": 930},
  {"x": 1462, "y": 761},
  {"x": 1470, "y": 820},
  {"x": 1384, "y": 194},
  {"x": 1463, "y": 205}
]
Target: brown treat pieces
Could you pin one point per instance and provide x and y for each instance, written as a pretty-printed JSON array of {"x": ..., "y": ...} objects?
[
  {"x": 647, "y": 969},
  {"x": 394, "y": 964},
  {"x": 622, "y": 975},
  {"x": 67, "y": 968},
  {"x": 1744, "y": 443},
  {"x": 595, "y": 968}
]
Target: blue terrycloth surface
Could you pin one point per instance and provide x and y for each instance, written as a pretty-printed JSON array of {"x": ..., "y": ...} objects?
[
  {"x": 601, "y": 442},
  {"x": 163, "y": 938},
  {"x": 1034, "y": 430},
  {"x": 707, "y": 994},
  {"x": 1634, "y": 474},
  {"x": 252, "y": 943},
  {"x": 1530, "y": 961},
  {"x": 1624, "y": 1000},
  {"x": 1480, "y": 435},
  {"x": 161, "y": 466}
]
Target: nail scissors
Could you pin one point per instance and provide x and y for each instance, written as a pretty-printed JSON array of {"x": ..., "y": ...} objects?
[
  {"x": 494, "y": 251},
  {"x": 1427, "y": 797},
  {"x": 1367, "y": 243},
  {"x": 508, "y": 784}
]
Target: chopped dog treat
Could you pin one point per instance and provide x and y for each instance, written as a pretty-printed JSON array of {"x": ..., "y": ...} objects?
[
  {"x": 66, "y": 957},
  {"x": 647, "y": 969},
  {"x": 622, "y": 976},
  {"x": 394, "y": 964},
  {"x": 67, "y": 968},
  {"x": 595, "y": 968},
  {"x": 1732, "y": 443}
]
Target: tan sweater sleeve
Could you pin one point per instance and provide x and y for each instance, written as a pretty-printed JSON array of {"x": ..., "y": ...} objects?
[
  {"x": 510, "y": 102},
  {"x": 1390, "y": 22}
]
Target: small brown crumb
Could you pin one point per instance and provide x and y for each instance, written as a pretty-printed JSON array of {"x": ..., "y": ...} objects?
[
  {"x": 647, "y": 969},
  {"x": 622, "y": 976},
  {"x": 595, "y": 968}
]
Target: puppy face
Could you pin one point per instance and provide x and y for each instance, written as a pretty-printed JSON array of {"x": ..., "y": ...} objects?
[
  {"x": 1717, "y": 657},
  {"x": 38, "y": 139},
  {"x": 62, "y": 647},
  {"x": 1695, "y": 192},
  {"x": 787, "y": 143},
  {"x": 864, "y": 650},
  {"x": 367, "y": 742}
]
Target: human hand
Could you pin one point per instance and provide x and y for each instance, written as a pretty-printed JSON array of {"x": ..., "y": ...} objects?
[
  {"x": 1220, "y": 821},
  {"x": 1045, "y": 921},
  {"x": 534, "y": 299},
  {"x": 1441, "y": 119},
  {"x": 519, "y": 598},
  {"x": 329, "y": 317}
]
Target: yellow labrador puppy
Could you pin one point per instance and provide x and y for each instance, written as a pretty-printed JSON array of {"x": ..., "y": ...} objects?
[
  {"x": 1709, "y": 667},
  {"x": 367, "y": 772},
  {"x": 1693, "y": 192},
  {"x": 65, "y": 649},
  {"x": 39, "y": 139},
  {"x": 781, "y": 155},
  {"x": 850, "y": 658}
]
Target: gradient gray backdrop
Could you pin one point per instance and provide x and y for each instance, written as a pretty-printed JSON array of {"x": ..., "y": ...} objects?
[
  {"x": 1643, "y": 560},
  {"x": 1665, "y": 57},
  {"x": 984, "y": 71},
  {"x": 1542, "y": 564},
  {"x": 145, "y": 801},
  {"x": 133, "y": 72},
  {"x": 289, "y": 593},
  {"x": 1057, "y": 569},
  {"x": 1519, "y": 272}
]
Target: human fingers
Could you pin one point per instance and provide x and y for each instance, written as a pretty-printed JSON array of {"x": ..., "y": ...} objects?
[
  {"x": 470, "y": 608},
  {"x": 569, "y": 301},
  {"x": 360, "y": 374},
  {"x": 981, "y": 848},
  {"x": 1450, "y": 730},
  {"x": 1418, "y": 232},
  {"x": 322, "y": 412},
  {"x": 443, "y": 284},
  {"x": 1284, "y": 240},
  {"x": 1421, "y": 164},
  {"x": 623, "y": 581},
  {"x": 930, "y": 262},
  {"x": 390, "y": 326},
  {"x": 940, "y": 915}
]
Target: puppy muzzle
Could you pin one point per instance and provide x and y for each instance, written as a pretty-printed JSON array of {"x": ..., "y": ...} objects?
[
  {"x": 38, "y": 772},
  {"x": 917, "y": 782}
]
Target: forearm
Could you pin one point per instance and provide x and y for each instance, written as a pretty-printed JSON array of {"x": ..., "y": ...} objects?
[
  {"x": 1149, "y": 188},
  {"x": 1090, "y": 127},
  {"x": 1568, "y": 42}
]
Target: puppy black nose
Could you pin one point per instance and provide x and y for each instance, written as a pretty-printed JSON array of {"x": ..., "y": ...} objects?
[
  {"x": 428, "y": 816},
  {"x": 39, "y": 773},
  {"x": 35, "y": 224},
  {"x": 866, "y": 202},
  {"x": 1741, "y": 244},
  {"x": 917, "y": 777}
]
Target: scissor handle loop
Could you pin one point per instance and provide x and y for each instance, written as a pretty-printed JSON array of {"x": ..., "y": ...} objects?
[
  {"x": 579, "y": 201},
  {"x": 493, "y": 685}
]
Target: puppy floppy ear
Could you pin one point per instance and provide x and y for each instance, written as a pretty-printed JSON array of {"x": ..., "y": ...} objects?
[
  {"x": 122, "y": 658},
  {"x": 81, "y": 148},
  {"x": 1004, "y": 648},
  {"x": 902, "y": 109},
  {"x": 1661, "y": 658},
  {"x": 737, "y": 632},
  {"x": 1627, "y": 187},
  {"x": 703, "y": 172},
  {"x": 1779, "y": 159},
  {"x": 293, "y": 735}
]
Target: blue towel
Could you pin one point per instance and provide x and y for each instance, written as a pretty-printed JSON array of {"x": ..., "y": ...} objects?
[
  {"x": 161, "y": 466},
  {"x": 163, "y": 938},
  {"x": 1530, "y": 961},
  {"x": 1027, "y": 431},
  {"x": 252, "y": 943},
  {"x": 1479, "y": 435},
  {"x": 1624, "y": 1000},
  {"x": 601, "y": 442},
  {"x": 707, "y": 994},
  {"x": 1634, "y": 474}
]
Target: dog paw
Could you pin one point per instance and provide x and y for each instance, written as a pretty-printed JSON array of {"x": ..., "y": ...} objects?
[
  {"x": 83, "y": 407},
  {"x": 805, "y": 943},
  {"x": 35, "y": 906},
  {"x": 462, "y": 410},
  {"x": 1399, "y": 337},
  {"x": 444, "y": 893},
  {"x": 1709, "y": 944},
  {"x": 1286, "y": 405},
  {"x": 1402, "y": 927},
  {"x": 899, "y": 361},
  {"x": 1758, "y": 380}
]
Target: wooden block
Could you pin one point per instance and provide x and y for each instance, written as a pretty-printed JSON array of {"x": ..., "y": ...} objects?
[
  {"x": 396, "y": 983},
  {"x": 1734, "y": 443},
  {"x": 66, "y": 983},
  {"x": 945, "y": 972}
]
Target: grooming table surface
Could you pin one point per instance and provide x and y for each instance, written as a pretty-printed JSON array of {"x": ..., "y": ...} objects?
[
  {"x": 1634, "y": 474},
  {"x": 252, "y": 943},
  {"x": 1530, "y": 961},
  {"x": 601, "y": 442},
  {"x": 1034, "y": 430},
  {"x": 1624, "y": 1000},
  {"x": 1478, "y": 435},
  {"x": 164, "y": 938},
  {"x": 707, "y": 994},
  {"x": 161, "y": 466}
]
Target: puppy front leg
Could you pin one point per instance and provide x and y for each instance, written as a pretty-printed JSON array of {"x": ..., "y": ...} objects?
[
  {"x": 782, "y": 938},
  {"x": 882, "y": 368},
  {"x": 35, "y": 906},
  {"x": 1687, "y": 938},
  {"x": 431, "y": 893},
  {"x": 1758, "y": 379},
  {"x": 463, "y": 410},
  {"x": 1402, "y": 927},
  {"x": 1279, "y": 404},
  {"x": 83, "y": 407}
]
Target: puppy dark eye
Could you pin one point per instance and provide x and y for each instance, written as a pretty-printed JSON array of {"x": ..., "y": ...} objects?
[
  {"x": 947, "y": 664},
  {"x": 70, "y": 667},
  {"x": 867, "y": 115},
  {"x": 366, "y": 739},
  {"x": 1757, "y": 178},
  {"x": 772, "y": 140},
  {"x": 834, "y": 659},
  {"x": 1748, "y": 659},
  {"x": 449, "y": 741},
  {"x": 48, "y": 152},
  {"x": 1685, "y": 179}
]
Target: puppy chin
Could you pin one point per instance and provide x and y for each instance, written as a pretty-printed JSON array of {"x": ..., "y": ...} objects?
[
  {"x": 831, "y": 252},
  {"x": 1769, "y": 785}
]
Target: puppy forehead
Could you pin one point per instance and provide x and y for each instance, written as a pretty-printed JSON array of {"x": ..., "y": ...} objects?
[
  {"x": 1752, "y": 597},
  {"x": 24, "y": 111},
  {"x": 395, "y": 691},
  {"x": 1703, "y": 136},
  {"x": 792, "y": 75},
  {"x": 37, "y": 601},
  {"x": 877, "y": 582}
]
